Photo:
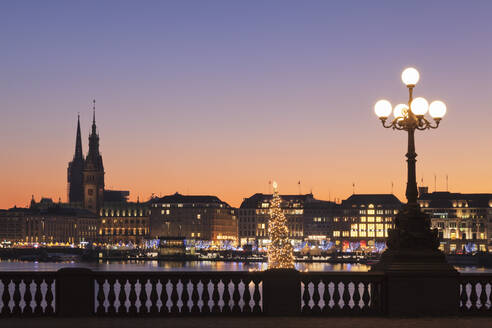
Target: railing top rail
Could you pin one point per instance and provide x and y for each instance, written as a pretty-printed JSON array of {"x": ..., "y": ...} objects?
[{"x": 475, "y": 275}]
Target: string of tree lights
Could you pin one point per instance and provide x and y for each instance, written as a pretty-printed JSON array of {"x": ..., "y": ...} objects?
[{"x": 280, "y": 250}]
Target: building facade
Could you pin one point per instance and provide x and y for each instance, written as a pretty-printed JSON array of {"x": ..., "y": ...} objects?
[
  {"x": 364, "y": 221},
  {"x": 301, "y": 211},
  {"x": 318, "y": 219},
  {"x": 50, "y": 226},
  {"x": 193, "y": 217},
  {"x": 124, "y": 223},
  {"x": 463, "y": 221}
]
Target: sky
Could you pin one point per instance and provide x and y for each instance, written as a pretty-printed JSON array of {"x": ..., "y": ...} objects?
[{"x": 220, "y": 97}]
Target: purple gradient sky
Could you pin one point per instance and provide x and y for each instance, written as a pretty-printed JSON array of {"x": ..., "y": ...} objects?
[{"x": 219, "y": 97}]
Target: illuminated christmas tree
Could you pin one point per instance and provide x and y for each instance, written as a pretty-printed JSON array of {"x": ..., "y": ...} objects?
[{"x": 280, "y": 251}]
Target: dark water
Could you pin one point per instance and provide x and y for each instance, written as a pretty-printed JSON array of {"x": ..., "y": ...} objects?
[{"x": 189, "y": 266}]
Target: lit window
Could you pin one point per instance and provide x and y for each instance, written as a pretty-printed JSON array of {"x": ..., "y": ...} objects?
[{"x": 198, "y": 216}]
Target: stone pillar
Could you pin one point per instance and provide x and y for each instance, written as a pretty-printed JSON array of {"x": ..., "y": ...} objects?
[
  {"x": 422, "y": 294},
  {"x": 74, "y": 292},
  {"x": 282, "y": 292}
]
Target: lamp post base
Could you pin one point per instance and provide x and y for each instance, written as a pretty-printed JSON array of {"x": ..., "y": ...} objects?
[{"x": 420, "y": 282}]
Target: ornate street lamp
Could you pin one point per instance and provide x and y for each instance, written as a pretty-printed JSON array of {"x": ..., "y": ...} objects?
[{"x": 412, "y": 244}]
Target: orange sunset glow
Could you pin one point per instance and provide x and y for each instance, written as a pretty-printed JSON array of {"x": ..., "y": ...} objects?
[{"x": 195, "y": 112}]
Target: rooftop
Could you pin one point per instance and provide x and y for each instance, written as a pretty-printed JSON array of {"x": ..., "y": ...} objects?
[
  {"x": 190, "y": 199},
  {"x": 375, "y": 199}
]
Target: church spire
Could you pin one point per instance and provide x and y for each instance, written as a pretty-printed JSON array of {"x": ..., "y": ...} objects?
[
  {"x": 94, "y": 116},
  {"x": 78, "y": 141},
  {"x": 94, "y": 158}
]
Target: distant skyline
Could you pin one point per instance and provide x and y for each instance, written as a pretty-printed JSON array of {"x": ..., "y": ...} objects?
[{"x": 221, "y": 97}]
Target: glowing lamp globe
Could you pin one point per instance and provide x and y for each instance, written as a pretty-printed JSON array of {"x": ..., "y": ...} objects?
[
  {"x": 437, "y": 109},
  {"x": 400, "y": 111},
  {"x": 383, "y": 108},
  {"x": 419, "y": 106},
  {"x": 410, "y": 76}
]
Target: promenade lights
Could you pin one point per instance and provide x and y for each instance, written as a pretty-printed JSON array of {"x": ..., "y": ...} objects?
[
  {"x": 410, "y": 117},
  {"x": 411, "y": 240}
]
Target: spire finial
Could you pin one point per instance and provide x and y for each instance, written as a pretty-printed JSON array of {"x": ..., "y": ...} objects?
[{"x": 94, "y": 111}]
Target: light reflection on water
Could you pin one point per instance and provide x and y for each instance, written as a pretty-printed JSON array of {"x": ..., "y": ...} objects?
[{"x": 10, "y": 265}]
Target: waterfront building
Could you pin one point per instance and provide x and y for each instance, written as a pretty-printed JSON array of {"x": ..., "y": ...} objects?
[
  {"x": 299, "y": 210},
  {"x": 193, "y": 217},
  {"x": 50, "y": 226},
  {"x": 318, "y": 220},
  {"x": 364, "y": 221},
  {"x": 124, "y": 222},
  {"x": 463, "y": 221}
]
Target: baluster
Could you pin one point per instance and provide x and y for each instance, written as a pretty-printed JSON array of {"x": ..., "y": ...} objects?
[
  {"x": 246, "y": 296},
  {"x": 365, "y": 296},
  {"x": 463, "y": 296},
  {"x": 473, "y": 296},
  {"x": 38, "y": 297},
  {"x": 185, "y": 296},
  {"x": 215, "y": 296},
  {"x": 143, "y": 296},
  {"x": 356, "y": 297},
  {"x": 236, "y": 296},
  {"x": 326, "y": 297},
  {"x": 256, "y": 296},
  {"x": 306, "y": 296},
  {"x": 164, "y": 296},
  {"x": 375, "y": 293},
  {"x": 49, "y": 296},
  {"x": 483, "y": 295},
  {"x": 488, "y": 303},
  {"x": 28, "y": 297},
  {"x": 153, "y": 296},
  {"x": 16, "y": 297},
  {"x": 205, "y": 296},
  {"x": 336, "y": 296},
  {"x": 195, "y": 298},
  {"x": 316, "y": 296},
  {"x": 100, "y": 310},
  {"x": 5, "y": 297},
  {"x": 226, "y": 296},
  {"x": 346, "y": 296},
  {"x": 122, "y": 309},
  {"x": 112, "y": 296},
  {"x": 132, "y": 298},
  {"x": 174, "y": 295}
]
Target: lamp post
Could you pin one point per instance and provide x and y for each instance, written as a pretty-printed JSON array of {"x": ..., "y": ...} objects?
[
  {"x": 412, "y": 243},
  {"x": 419, "y": 279}
]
